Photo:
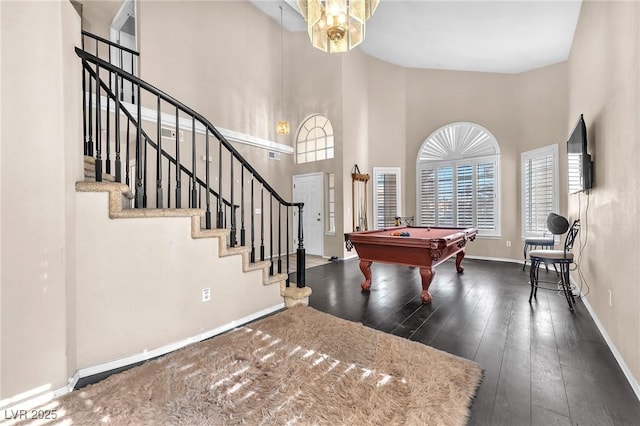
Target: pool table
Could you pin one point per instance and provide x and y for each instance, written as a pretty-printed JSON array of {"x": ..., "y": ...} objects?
[{"x": 425, "y": 248}]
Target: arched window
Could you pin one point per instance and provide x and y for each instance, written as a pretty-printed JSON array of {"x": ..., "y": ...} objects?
[
  {"x": 315, "y": 140},
  {"x": 457, "y": 179}
]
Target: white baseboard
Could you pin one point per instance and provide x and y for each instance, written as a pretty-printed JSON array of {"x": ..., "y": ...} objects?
[
  {"x": 617, "y": 355},
  {"x": 496, "y": 259},
  {"x": 350, "y": 256},
  {"x": 43, "y": 398}
]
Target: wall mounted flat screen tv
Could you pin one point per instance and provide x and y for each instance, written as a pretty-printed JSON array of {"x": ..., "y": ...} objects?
[{"x": 579, "y": 161}]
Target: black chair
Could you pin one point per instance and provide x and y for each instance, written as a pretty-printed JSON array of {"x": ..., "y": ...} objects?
[{"x": 563, "y": 258}]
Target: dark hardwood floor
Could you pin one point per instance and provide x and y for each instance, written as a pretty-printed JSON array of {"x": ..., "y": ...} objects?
[{"x": 542, "y": 364}]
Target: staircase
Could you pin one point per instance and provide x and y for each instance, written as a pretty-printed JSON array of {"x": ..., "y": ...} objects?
[{"x": 127, "y": 160}]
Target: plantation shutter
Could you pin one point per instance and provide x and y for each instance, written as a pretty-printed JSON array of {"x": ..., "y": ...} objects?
[
  {"x": 445, "y": 196},
  {"x": 539, "y": 195},
  {"x": 486, "y": 196},
  {"x": 386, "y": 198},
  {"x": 464, "y": 185},
  {"x": 427, "y": 197},
  {"x": 458, "y": 179}
]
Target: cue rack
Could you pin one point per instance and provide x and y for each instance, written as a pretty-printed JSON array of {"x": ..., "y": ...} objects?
[{"x": 359, "y": 199}]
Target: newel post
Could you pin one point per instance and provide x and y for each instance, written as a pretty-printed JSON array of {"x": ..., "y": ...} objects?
[{"x": 300, "y": 261}]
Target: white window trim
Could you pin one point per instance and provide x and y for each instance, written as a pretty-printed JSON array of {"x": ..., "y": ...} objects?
[
  {"x": 384, "y": 170},
  {"x": 472, "y": 160},
  {"x": 326, "y": 149},
  {"x": 328, "y": 203},
  {"x": 536, "y": 153}
]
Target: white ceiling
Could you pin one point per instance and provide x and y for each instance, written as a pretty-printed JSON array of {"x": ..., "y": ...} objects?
[{"x": 504, "y": 36}]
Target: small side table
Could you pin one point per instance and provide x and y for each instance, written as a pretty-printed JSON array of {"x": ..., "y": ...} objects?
[{"x": 534, "y": 243}]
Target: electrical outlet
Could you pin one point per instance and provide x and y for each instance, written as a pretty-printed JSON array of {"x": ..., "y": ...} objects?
[
  {"x": 610, "y": 301},
  {"x": 258, "y": 211},
  {"x": 206, "y": 294},
  {"x": 508, "y": 243}
]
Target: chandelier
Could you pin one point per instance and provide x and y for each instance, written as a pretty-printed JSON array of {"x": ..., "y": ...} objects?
[{"x": 336, "y": 25}]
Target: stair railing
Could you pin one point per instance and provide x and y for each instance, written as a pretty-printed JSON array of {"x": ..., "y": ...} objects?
[{"x": 184, "y": 119}]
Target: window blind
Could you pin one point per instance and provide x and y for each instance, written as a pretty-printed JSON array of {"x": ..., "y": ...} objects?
[
  {"x": 386, "y": 194},
  {"x": 427, "y": 201},
  {"x": 540, "y": 196},
  {"x": 460, "y": 195},
  {"x": 486, "y": 195},
  {"x": 464, "y": 192}
]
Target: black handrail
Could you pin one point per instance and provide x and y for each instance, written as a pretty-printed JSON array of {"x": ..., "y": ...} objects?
[
  {"x": 110, "y": 43},
  {"x": 144, "y": 134},
  {"x": 143, "y": 137},
  {"x": 167, "y": 98}
]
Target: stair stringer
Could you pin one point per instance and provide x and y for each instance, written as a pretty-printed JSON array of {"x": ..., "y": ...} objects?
[{"x": 116, "y": 211}]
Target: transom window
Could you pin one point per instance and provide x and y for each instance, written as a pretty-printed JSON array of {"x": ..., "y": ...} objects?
[
  {"x": 457, "y": 179},
  {"x": 315, "y": 140}
]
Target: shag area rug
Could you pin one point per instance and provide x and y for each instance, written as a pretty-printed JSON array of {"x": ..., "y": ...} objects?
[{"x": 299, "y": 366}]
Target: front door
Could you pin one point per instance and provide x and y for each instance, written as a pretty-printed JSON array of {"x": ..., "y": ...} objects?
[{"x": 308, "y": 189}]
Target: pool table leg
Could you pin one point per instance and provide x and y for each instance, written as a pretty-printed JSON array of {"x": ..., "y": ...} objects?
[
  {"x": 459, "y": 258},
  {"x": 427, "y": 275},
  {"x": 365, "y": 267}
]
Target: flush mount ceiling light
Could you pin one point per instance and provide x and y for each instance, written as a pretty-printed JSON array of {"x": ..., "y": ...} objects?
[{"x": 336, "y": 26}]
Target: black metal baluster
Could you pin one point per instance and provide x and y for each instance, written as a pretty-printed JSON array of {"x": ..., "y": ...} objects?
[
  {"x": 287, "y": 282},
  {"x": 98, "y": 167},
  {"x": 84, "y": 106},
  {"x": 90, "y": 106},
  {"x": 117, "y": 118},
  {"x": 178, "y": 174},
  {"x": 108, "y": 114},
  {"x": 169, "y": 184},
  {"x": 242, "y": 231},
  {"x": 133, "y": 101},
  {"x": 232, "y": 235},
  {"x": 279, "y": 238},
  {"x": 271, "y": 234},
  {"x": 159, "y": 156},
  {"x": 122, "y": 77},
  {"x": 253, "y": 229},
  {"x": 219, "y": 216},
  {"x": 200, "y": 197},
  {"x": 139, "y": 190},
  {"x": 145, "y": 163},
  {"x": 208, "y": 192},
  {"x": 193, "y": 162},
  {"x": 300, "y": 261},
  {"x": 126, "y": 160},
  {"x": 262, "y": 223}
]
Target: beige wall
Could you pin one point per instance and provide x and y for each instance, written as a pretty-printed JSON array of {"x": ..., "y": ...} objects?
[
  {"x": 141, "y": 286},
  {"x": 38, "y": 170},
  {"x": 605, "y": 88},
  {"x": 97, "y": 16},
  {"x": 1, "y": 192},
  {"x": 355, "y": 143},
  {"x": 220, "y": 58}
]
